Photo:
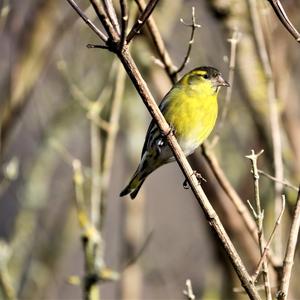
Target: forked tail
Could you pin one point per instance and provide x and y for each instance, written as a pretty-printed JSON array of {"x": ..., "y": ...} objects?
[{"x": 134, "y": 185}]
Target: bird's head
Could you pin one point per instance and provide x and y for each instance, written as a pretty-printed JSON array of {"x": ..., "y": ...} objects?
[{"x": 205, "y": 79}]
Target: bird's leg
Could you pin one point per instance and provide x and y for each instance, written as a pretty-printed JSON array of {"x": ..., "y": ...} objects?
[
  {"x": 198, "y": 176},
  {"x": 171, "y": 131},
  {"x": 161, "y": 142}
]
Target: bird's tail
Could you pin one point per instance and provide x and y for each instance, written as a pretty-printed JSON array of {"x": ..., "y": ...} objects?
[{"x": 134, "y": 185}]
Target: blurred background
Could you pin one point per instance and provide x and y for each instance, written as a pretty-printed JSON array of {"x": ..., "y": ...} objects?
[{"x": 65, "y": 108}]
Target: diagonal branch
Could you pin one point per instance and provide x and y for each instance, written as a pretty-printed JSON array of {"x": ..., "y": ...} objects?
[
  {"x": 284, "y": 19},
  {"x": 283, "y": 182},
  {"x": 208, "y": 155},
  {"x": 101, "y": 35},
  {"x": 141, "y": 20},
  {"x": 199, "y": 194}
]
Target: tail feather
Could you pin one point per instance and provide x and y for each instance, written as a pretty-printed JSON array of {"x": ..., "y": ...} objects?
[
  {"x": 135, "y": 192},
  {"x": 133, "y": 187},
  {"x": 145, "y": 168}
]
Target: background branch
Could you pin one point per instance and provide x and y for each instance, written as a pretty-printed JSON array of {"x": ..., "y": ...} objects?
[
  {"x": 282, "y": 16},
  {"x": 283, "y": 182},
  {"x": 111, "y": 13},
  {"x": 234, "y": 40},
  {"x": 290, "y": 252},
  {"x": 159, "y": 44},
  {"x": 124, "y": 20},
  {"x": 104, "y": 18},
  {"x": 186, "y": 59},
  {"x": 100, "y": 34},
  {"x": 188, "y": 291},
  {"x": 267, "y": 246},
  {"x": 273, "y": 112},
  {"x": 141, "y": 20},
  {"x": 259, "y": 216}
]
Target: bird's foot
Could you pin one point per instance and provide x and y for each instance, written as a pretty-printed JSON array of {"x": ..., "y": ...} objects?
[
  {"x": 198, "y": 176},
  {"x": 162, "y": 141},
  {"x": 171, "y": 131}
]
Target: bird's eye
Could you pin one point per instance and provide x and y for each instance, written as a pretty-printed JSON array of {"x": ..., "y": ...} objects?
[{"x": 205, "y": 76}]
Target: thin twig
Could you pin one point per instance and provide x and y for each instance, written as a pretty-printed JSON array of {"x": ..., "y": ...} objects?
[
  {"x": 141, "y": 20},
  {"x": 111, "y": 13},
  {"x": 267, "y": 246},
  {"x": 259, "y": 287},
  {"x": 97, "y": 186},
  {"x": 232, "y": 195},
  {"x": 234, "y": 40},
  {"x": 93, "y": 108},
  {"x": 186, "y": 59},
  {"x": 283, "y": 182},
  {"x": 116, "y": 103},
  {"x": 188, "y": 291},
  {"x": 281, "y": 14},
  {"x": 273, "y": 109},
  {"x": 6, "y": 282},
  {"x": 95, "y": 269},
  {"x": 100, "y": 12},
  {"x": 67, "y": 157},
  {"x": 90, "y": 236},
  {"x": 96, "y": 198},
  {"x": 124, "y": 20},
  {"x": 290, "y": 252},
  {"x": 140, "y": 252},
  {"x": 258, "y": 214},
  {"x": 91, "y": 46},
  {"x": 101, "y": 35},
  {"x": 159, "y": 43}
]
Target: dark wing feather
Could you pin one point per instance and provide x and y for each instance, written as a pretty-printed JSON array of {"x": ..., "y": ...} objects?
[{"x": 153, "y": 126}]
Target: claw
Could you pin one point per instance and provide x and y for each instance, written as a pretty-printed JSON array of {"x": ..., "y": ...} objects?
[
  {"x": 161, "y": 142},
  {"x": 171, "y": 131},
  {"x": 185, "y": 184},
  {"x": 200, "y": 178}
]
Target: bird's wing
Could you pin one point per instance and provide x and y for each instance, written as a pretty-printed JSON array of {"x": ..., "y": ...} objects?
[
  {"x": 149, "y": 136},
  {"x": 153, "y": 130}
]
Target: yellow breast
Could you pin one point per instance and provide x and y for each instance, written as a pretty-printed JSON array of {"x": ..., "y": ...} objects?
[{"x": 192, "y": 113}]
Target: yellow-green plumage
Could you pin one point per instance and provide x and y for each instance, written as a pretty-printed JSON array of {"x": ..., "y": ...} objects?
[
  {"x": 191, "y": 109},
  {"x": 193, "y": 113}
]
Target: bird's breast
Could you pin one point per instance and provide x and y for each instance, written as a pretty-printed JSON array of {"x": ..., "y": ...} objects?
[{"x": 193, "y": 119}]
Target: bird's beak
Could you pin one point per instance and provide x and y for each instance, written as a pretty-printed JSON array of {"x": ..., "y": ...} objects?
[{"x": 220, "y": 81}]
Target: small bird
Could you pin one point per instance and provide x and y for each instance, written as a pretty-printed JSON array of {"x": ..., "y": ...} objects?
[{"x": 191, "y": 110}]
